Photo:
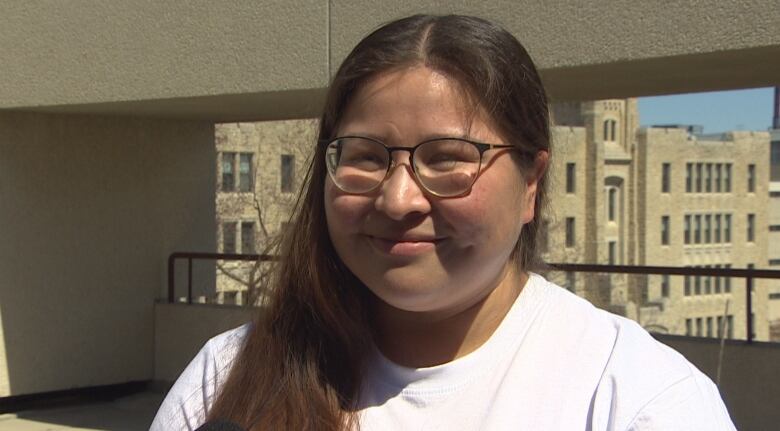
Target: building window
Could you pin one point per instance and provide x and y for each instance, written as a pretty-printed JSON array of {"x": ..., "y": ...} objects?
[
  {"x": 569, "y": 231},
  {"x": 709, "y": 326},
  {"x": 665, "y": 286},
  {"x": 689, "y": 327},
  {"x": 611, "y": 203},
  {"x": 687, "y": 284},
  {"x": 245, "y": 172},
  {"x": 717, "y": 177},
  {"x": 570, "y": 177},
  {"x": 666, "y": 172},
  {"x": 613, "y": 130},
  {"x": 612, "y": 252},
  {"x": 699, "y": 326},
  {"x": 719, "y": 321},
  {"x": 774, "y": 262},
  {"x": 774, "y": 227},
  {"x": 697, "y": 285},
  {"x": 727, "y": 228},
  {"x": 707, "y": 228},
  {"x": 751, "y": 227},
  {"x": 727, "y": 178},
  {"x": 229, "y": 237},
  {"x": 228, "y": 174},
  {"x": 727, "y": 281},
  {"x": 708, "y": 178},
  {"x": 707, "y": 283},
  {"x": 687, "y": 230},
  {"x": 688, "y": 177},
  {"x": 697, "y": 229},
  {"x": 571, "y": 279},
  {"x": 774, "y": 161},
  {"x": 751, "y": 180},
  {"x": 717, "y": 281},
  {"x": 247, "y": 238},
  {"x": 730, "y": 326},
  {"x": 664, "y": 230},
  {"x": 610, "y": 127},
  {"x": 288, "y": 173},
  {"x": 717, "y": 229},
  {"x": 699, "y": 174}
]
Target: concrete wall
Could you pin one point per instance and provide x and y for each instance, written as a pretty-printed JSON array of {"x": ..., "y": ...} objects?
[
  {"x": 181, "y": 330},
  {"x": 749, "y": 377},
  {"x": 90, "y": 207},
  {"x": 237, "y": 59}
]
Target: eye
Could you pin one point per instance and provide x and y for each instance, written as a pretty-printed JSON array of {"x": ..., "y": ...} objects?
[
  {"x": 362, "y": 154},
  {"x": 447, "y": 155}
]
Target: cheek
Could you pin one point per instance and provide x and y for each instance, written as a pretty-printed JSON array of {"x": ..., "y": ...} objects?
[
  {"x": 344, "y": 212},
  {"x": 487, "y": 215}
]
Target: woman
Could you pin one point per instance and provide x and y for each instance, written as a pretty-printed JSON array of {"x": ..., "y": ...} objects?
[{"x": 404, "y": 299}]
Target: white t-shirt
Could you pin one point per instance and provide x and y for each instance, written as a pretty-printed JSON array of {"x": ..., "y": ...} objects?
[{"x": 554, "y": 363}]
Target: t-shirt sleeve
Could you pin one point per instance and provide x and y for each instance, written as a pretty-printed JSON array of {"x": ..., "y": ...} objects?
[
  {"x": 693, "y": 403},
  {"x": 186, "y": 405}
]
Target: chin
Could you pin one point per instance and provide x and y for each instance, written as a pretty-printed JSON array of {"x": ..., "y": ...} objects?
[{"x": 412, "y": 299}]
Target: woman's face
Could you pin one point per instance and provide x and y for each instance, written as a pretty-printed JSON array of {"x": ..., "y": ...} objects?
[{"x": 414, "y": 251}]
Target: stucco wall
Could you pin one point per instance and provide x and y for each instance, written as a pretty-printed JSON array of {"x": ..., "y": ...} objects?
[
  {"x": 238, "y": 60},
  {"x": 90, "y": 207}
]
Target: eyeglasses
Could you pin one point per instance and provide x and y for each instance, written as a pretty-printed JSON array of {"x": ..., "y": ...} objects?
[{"x": 445, "y": 167}]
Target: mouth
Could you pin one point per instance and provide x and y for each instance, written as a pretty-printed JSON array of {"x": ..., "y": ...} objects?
[{"x": 405, "y": 246}]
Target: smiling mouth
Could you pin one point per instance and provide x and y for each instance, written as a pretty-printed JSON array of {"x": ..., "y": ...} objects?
[{"x": 404, "y": 247}]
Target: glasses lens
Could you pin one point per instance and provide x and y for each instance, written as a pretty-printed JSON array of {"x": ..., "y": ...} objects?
[
  {"x": 447, "y": 167},
  {"x": 356, "y": 165}
]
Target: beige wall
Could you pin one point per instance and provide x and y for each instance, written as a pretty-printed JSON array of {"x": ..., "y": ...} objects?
[
  {"x": 237, "y": 59},
  {"x": 180, "y": 330},
  {"x": 90, "y": 207}
]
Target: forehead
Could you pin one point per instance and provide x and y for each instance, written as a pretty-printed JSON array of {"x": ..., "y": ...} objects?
[{"x": 411, "y": 100}]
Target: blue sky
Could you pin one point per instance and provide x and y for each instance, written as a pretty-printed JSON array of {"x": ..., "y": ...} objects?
[{"x": 717, "y": 111}]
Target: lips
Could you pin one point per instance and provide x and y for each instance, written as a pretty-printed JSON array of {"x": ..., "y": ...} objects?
[{"x": 407, "y": 245}]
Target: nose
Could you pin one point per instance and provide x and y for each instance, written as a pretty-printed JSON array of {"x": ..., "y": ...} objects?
[{"x": 400, "y": 196}]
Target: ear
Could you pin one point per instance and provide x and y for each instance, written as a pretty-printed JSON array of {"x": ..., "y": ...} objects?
[{"x": 532, "y": 179}]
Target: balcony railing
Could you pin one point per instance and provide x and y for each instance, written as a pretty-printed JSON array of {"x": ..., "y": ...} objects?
[
  {"x": 748, "y": 274},
  {"x": 189, "y": 257}
]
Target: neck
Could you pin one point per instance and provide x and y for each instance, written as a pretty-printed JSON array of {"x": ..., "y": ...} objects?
[{"x": 419, "y": 340}]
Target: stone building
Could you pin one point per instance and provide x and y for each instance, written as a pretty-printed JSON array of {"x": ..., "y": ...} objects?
[
  {"x": 260, "y": 169},
  {"x": 774, "y": 220},
  {"x": 620, "y": 195},
  {"x": 626, "y": 195}
]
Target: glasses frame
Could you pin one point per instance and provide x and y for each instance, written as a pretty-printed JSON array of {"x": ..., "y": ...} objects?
[{"x": 480, "y": 146}]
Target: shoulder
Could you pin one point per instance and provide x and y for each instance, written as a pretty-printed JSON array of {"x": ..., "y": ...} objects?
[
  {"x": 186, "y": 404},
  {"x": 640, "y": 383},
  {"x": 657, "y": 387}
]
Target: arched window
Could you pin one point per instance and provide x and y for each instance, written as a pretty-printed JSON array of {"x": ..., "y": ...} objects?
[
  {"x": 612, "y": 203},
  {"x": 613, "y": 126},
  {"x": 610, "y": 130}
]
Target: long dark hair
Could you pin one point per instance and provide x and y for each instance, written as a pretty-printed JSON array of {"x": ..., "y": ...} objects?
[{"x": 301, "y": 365}]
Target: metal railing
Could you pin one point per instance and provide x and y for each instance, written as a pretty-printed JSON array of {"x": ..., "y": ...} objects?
[
  {"x": 747, "y": 274},
  {"x": 203, "y": 256}
]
